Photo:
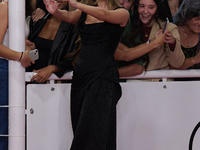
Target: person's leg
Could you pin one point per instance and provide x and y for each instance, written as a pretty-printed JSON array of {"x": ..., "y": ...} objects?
[{"x": 3, "y": 102}]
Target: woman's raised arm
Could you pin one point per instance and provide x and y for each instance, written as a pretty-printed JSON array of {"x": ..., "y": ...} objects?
[
  {"x": 67, "y": 16},
  {"x": 118, "y": 16}
]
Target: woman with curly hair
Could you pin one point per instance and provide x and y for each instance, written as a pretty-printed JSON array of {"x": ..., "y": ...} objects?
[{"x": 187, "y": 19}]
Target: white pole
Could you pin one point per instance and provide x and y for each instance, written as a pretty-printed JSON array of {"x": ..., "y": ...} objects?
[{"x": 16, "y": 76}]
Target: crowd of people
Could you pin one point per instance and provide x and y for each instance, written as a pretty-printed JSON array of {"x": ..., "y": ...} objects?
[{"x": 100, "y": 41}]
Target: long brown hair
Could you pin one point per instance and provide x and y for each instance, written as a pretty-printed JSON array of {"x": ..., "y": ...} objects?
[{"x": 74, "y": 55}]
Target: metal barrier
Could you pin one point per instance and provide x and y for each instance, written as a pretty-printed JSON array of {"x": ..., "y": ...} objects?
[{"x": 150, "y": 115}]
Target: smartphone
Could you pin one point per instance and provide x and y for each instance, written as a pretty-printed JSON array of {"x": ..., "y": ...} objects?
[
  {"x": 34, "y": 54},
  {"x": 165, "y": 26}
]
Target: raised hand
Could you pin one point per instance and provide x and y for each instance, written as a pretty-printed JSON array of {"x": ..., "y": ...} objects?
[{"x": 51, "y": 6}]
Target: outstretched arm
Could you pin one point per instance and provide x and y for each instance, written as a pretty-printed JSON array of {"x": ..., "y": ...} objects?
[
  {"x": 67, "y": 16},
  {"x": 130, "y": 70},
  {"x": 189, "y": 62},
  {"x": 127, "y": 54},
  {"x": 119, "y": 16}
]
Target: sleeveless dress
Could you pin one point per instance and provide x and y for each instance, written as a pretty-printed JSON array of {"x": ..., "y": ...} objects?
[
  {"x": 4, "y": 98},
  {"x": 95, "y": 87}
]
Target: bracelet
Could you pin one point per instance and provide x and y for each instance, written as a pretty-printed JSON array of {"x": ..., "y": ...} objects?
[{"x": 21, "y": 56}]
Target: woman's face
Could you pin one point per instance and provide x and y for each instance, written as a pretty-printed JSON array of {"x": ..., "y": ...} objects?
[
  {"x": 194, "y": 24},
  {"x": 147, "y": 10},
  {"x": 126, "y": 3}
]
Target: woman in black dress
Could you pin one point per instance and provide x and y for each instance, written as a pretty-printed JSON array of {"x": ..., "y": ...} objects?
[{"x": 95, "y": 87}]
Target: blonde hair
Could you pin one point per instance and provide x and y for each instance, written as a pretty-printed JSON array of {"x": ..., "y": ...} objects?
[{"x": 112, "y": 4}]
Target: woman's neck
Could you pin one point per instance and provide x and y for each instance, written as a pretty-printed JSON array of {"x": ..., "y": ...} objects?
[
  {"x": 188, "y": 37},
  {"x": 187, "y": 30},
  {"x": 103, "y": 4}
]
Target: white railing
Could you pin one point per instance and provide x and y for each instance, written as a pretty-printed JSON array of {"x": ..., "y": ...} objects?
[
  {"x": 193, "y": 73},
  {"x": 150, "y": 115}
]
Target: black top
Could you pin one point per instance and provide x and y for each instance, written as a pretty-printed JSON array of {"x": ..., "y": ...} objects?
[
  {"x": 191, "y": 52},
  {"x": 95, "y": 88},
  {"x": 63, "y": 44},
  {"x": 99, "y": 42},
  {"x": 44, "y": 47}
]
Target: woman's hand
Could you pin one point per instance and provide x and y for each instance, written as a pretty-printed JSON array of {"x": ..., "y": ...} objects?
[
  {"x": 26, "y": 59},
  {"x": 158, "y": 33},
  {"x": 51, "y": 6},
  {"x": 43, "y": 74},
  {"x": 160, "y": 39},
  {"x": 29, "y": 45},
  {"x": 38, "y": 14},
  {"x": 169, "y": 38}
]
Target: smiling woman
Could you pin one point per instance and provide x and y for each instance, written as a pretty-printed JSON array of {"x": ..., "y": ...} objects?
[
  {"x": 149, "y": 18},
  {"x": 188, "y": 20}
]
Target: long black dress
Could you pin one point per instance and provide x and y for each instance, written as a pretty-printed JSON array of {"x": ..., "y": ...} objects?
[{"x": 95, "y": 87}]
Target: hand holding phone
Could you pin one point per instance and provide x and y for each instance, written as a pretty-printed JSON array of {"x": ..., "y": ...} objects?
[
  {"x": 34, "y": 54},
  {"x": 165, "y": 26}
]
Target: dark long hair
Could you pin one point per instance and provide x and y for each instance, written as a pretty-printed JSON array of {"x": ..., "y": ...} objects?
[
  {"x": 137, "y": 29},
  {"x": 137, "y": 25}
]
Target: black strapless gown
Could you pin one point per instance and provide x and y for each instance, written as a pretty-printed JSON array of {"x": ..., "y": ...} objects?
[{"x": 95, "y": 87}]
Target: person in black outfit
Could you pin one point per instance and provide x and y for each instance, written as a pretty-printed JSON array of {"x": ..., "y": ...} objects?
[
  {"x": 95, "y": 87},
  {"x": 54, "y": 39}
]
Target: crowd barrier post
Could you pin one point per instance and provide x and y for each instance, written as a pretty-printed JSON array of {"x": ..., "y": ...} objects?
[{"x": 16, "y": 13}]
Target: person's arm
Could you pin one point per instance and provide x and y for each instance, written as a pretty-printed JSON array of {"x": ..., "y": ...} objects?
[
  {"x": 173, "y": 5},
  {"x": 122, "y": 47},
  {"x": 44, "y": 73},
  {"x": 5, "y": 52},
  {"x": 138, "y": 51},
  {"x": 130, "y": 70},
  {"x": 176, "y": 57},
  {"x": 67, "y": 16},
  {"x": 189, "y": 62},
  {"x": 118, "y": 16}
]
